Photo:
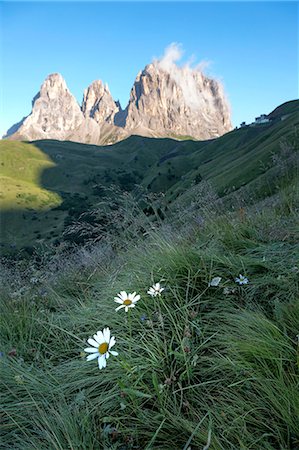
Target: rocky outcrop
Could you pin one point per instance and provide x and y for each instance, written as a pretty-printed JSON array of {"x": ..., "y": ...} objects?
[
  {"x": 179, "y": 103},
  {"x": 56, "y": 114},
  {"x": 176, "y": 103},
  {"x": 99, "y": 104}
]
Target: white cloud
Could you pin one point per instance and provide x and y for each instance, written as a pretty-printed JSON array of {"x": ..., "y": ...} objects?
[
  {"x": 172, "y": 53},
  {"x": 189, "y": 78}
]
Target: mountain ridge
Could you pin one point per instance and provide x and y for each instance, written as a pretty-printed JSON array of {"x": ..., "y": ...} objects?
[
  {"x": 241, "y": 161},
  {"x": 176, "y": 103}
]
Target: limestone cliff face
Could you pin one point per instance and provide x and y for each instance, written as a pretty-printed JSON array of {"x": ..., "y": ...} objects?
[
  {"x": 182, "y": 102},
  {"x": 55, "y": 112},
  {"x": 176, "y": 103},
  {"x": 99, "y": 104}
]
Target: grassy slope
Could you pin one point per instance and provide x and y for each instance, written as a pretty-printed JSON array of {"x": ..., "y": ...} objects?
[
  {"x": 75, "y": 169},
  {"x": 21, "y": 168},
  {"x": 199, "y": 366},
  {"x": 237, "y": 159}
]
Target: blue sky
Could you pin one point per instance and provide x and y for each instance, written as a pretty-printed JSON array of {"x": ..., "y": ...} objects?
[{"x": 252, "y": 47}]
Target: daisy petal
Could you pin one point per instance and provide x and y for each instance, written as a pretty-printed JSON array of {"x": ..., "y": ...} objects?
[
  {"x": 123, "y": 295},
  {"x": 91, "y": 350},
  {"x": 97, "y": 339},
  {"x": 106, "y": 355},
  {"x": 106, "y": 333},
  {"x": 113, "y": 353},
  {"x": 93, "y": 356},
  {"x": 119, "y": 307},
  {"x": 118, "y": 300},
  {"x": 112, "y": 342},
  {"x": 101, "y": 361},
  {"x": 100, "y": 337},
  {"x": 93, "y": 342},
  {"x": 136, "y": 298}
]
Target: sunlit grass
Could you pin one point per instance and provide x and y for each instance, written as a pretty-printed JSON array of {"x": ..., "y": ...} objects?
[
  {"x": 198, "y": 365},
  {"x": 21, "y": 168}
]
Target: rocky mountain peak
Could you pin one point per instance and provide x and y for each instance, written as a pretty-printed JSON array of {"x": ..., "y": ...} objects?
[
  {"x": 98, "y": 103},
  {"x": 53, "y": 86},
  {"x": 56, "y": 114},
  {"x": 54, "y": 79},
  {"x": 168, "y": 100},
  {"x": 55, "y": 111}
]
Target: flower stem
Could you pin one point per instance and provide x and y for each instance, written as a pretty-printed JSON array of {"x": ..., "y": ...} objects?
[{"x": 130, "y": 331}]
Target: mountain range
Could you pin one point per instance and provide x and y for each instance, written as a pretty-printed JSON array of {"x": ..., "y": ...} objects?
[{"x": 175, "y": 102}]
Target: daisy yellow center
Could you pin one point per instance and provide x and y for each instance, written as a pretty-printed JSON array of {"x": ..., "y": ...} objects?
[
  {"x": 103, "y": 348},
  {"x": 127, "y": 302}
]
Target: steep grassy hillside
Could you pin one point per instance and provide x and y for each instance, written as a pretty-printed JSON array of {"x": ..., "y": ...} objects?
[
  {"x": 73, "y": 172},
  {"x": 210, "y": 363},
  {"x": 243, "y": 156},
  {"x": 212, "y": 360},
  {"x": 22, "y": 166},
  {"x": 76, "y": 173}
]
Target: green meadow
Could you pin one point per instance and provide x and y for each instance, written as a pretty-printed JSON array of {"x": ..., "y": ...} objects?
[
  {"x": 22, "y": 166},
  {"x": 47, "y": 185},
  {"x": 208, "y": 364}
]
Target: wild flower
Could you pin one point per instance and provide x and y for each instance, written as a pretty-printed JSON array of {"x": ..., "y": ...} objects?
[
  {"x": 101, "y": 347},
  {"x": 215, "y": 281},
  {"x": 155, "y": 290},
  {"x": 241, "y": 280},
  {"x": 126, "y": 300}
]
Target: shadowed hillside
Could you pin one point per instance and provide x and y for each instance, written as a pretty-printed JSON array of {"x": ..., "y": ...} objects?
[
  {"x": 206, "y": 356},
  {"x": 49, "y": 184}
]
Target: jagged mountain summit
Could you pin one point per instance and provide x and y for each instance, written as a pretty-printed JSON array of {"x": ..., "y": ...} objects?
[
  {"x": 56, "y": 114},
  {"x": 99, "y": 104},
  {"x": 164, "y": 102},
  {"x": 177, "y": 103}
]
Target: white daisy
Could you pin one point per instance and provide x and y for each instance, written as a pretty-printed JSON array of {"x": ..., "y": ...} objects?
[
  {"x": 101, "y": 347},
  {"x": 126, "y": 300},
  {"x": 241, "y": 279},
  {"x": 155, "y": 290},
  {"x": 215, "y": 281}
]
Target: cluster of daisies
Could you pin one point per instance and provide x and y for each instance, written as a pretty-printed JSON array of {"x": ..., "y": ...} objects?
[
  {"x": 102, "y": 341},
  {"x": 241, "y": 279}
]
